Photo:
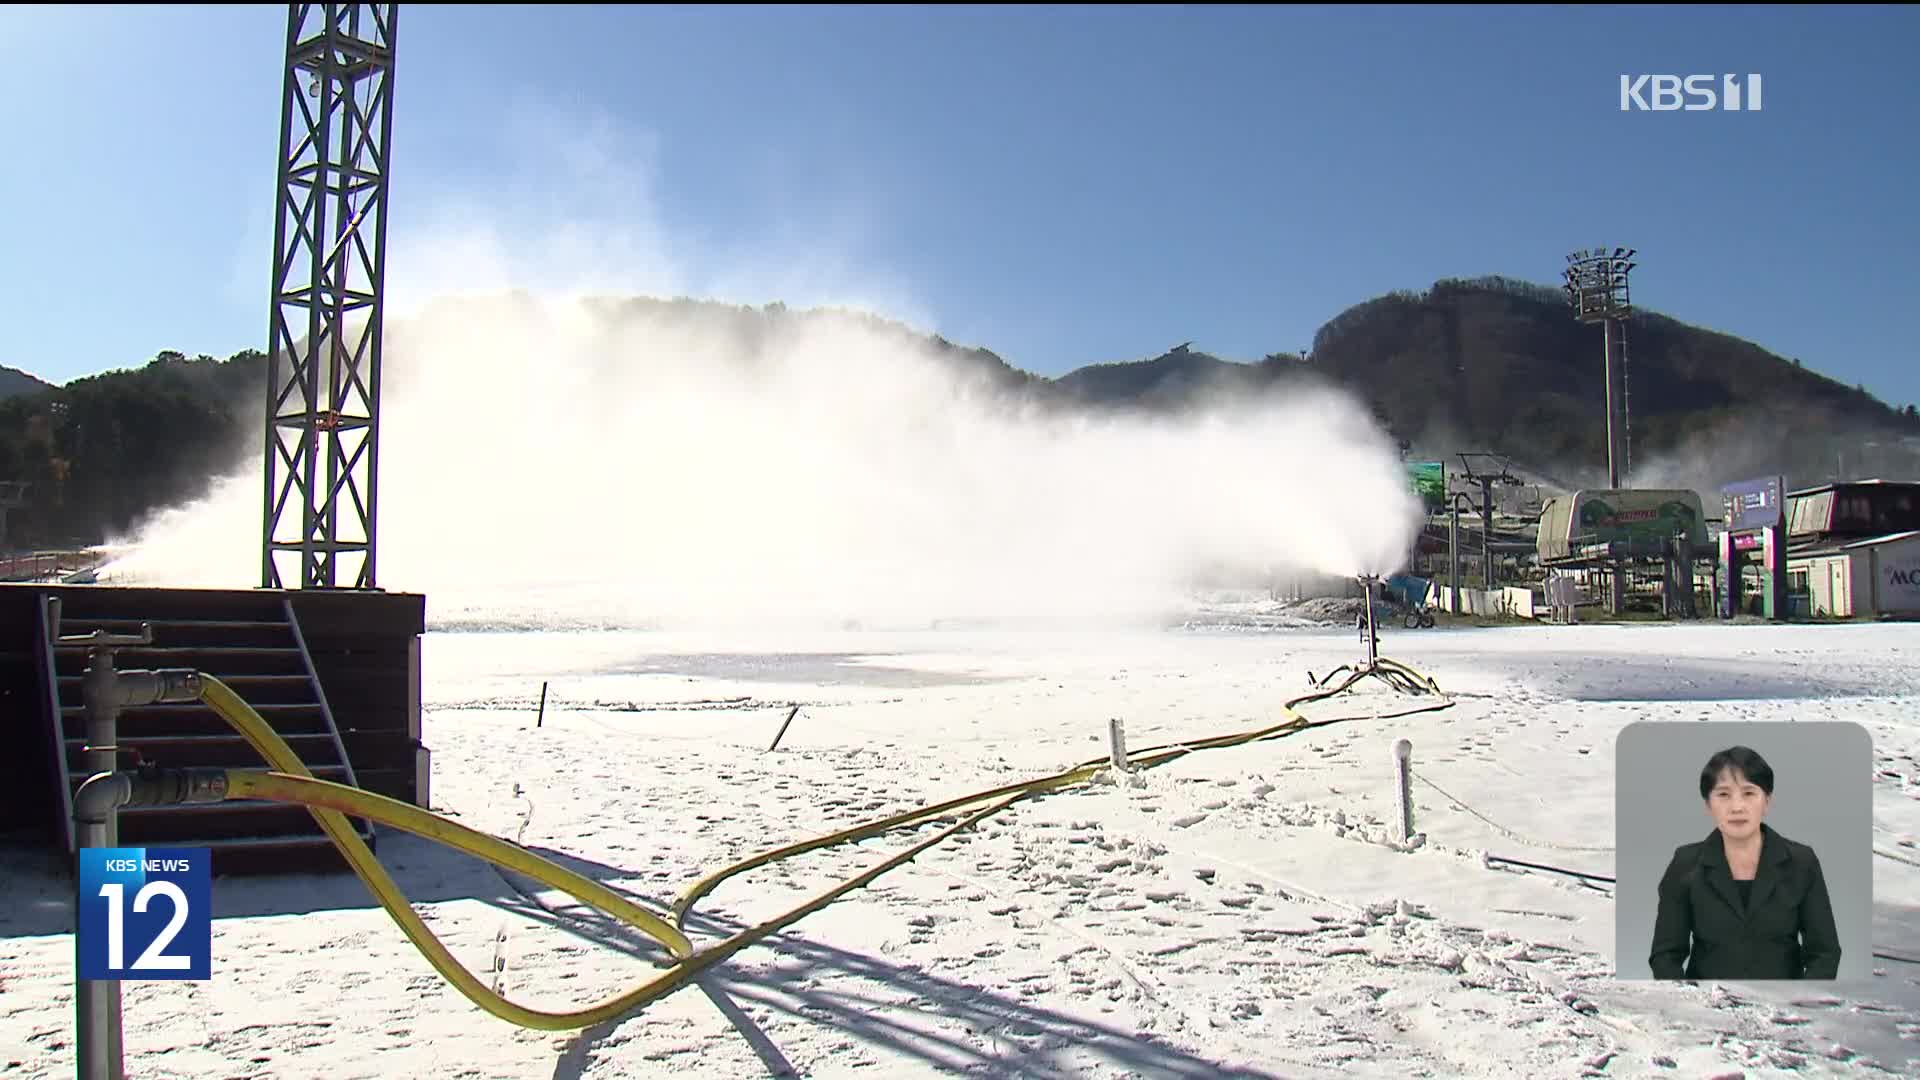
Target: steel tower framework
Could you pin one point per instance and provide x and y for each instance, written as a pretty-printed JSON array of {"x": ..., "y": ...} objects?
[{"x": 324, "y": 334}]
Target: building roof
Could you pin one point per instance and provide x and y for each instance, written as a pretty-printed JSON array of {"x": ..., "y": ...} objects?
[
  {"x": 1890, "y": 538},
  {"x": 1841, "y": 545},
  {"x": 1876, "y": 481}
]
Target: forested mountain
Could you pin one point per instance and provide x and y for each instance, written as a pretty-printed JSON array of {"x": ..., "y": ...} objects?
[
  {"x": 14, "y": 383},
  {"x": 102, "y": 452}
]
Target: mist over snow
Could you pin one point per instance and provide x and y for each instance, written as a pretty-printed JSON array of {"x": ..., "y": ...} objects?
[
  {"x": 651, "y": 462},
  {"x": 547, "y": 456}
]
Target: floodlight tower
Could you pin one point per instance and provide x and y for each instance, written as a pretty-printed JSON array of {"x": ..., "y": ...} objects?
[
  {"x": 329, "y": 266},
  {"x": 1596, "y": 287}
]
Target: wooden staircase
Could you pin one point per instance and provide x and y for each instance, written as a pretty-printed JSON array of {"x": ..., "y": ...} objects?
[{"x": 252, "y": 643}]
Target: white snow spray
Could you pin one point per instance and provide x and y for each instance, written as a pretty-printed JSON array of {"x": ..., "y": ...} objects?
[
  {"x": 551, "y": 459},
  {"x": 646, "y": 463}
]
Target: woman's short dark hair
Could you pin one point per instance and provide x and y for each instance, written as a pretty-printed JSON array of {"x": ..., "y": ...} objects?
[{"x": 1742, "y": 760}]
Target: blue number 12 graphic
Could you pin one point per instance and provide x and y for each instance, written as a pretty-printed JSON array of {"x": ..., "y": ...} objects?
[{"x": 152, "y": 903}]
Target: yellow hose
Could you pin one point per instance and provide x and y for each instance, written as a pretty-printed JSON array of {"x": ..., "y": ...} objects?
[
  {"x": 290, "y": 782},
  {"x": 245, "y": 720},
  {"x": 315, "y": 793}
]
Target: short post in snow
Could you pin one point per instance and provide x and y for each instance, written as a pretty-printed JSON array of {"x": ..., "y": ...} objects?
[
  {"x": 782, "y": 733},
  {"x": 1403, "y": 787},
  {"x": 1117, "y": 743}
]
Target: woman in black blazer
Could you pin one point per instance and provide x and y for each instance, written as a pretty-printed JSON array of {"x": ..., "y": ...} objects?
[{"x": 1746, "y": 902}]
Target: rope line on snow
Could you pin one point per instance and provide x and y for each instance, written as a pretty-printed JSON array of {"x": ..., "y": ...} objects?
[
  {"x": 1492, "y": 858},
  {"x": 1509, "y": 833},
  {"x": 289, "y": 781},
  {"x": 1885, "y": 854}
]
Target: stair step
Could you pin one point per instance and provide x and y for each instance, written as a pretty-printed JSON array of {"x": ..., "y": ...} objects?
[
  {"x": 226, "y": 806},
  {"x": 201, "y": 740},
  {"x": 226, "y": 633},
  {"x": 206, "y": 824},
  {"x": 194, "y": 706},
  {"x": 226, "y": 667},
  {"x": 68, "y": 618},
  {"x": 200, "y": 722},
  {"x": 199, "y": 650},
  {"x": 251, "y": 679},
  {"x": 321, "y": 772},
  {"x": 315, "y": 839}
]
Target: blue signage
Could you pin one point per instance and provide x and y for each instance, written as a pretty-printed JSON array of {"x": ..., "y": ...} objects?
[
  {"x": 146, "y": 913},
  {"x": 1755, "y": 504}
]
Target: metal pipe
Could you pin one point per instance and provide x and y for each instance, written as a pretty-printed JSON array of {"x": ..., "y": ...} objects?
[
  {"x": 105, "y": 793},
  {"x": 1453, "y": 549},
  {"x": 1370, "y": 632},
  {"x": 105, "y": 691},
  {"x": 1453, "y": 558},
  {"x": 97, "y": 1001},
  {"x": 95, "y": 810},
  {"x": 1486, "y": 533},
  {"x": 1616, "y": 428},
  {"x": 1616, "y": 447}
]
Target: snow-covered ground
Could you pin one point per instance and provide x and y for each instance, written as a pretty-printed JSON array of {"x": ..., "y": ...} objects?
[{"x": 1231, "y": 913}]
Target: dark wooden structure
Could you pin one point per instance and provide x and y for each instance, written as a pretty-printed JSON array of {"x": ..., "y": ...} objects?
[{"x": 335, "y": 672}]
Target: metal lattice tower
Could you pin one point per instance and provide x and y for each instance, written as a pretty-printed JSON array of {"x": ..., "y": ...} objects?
[{"x": 323, "y": 367}]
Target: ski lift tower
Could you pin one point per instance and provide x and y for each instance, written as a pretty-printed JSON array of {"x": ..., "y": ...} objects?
[
  {"x": 329, "y": 266},
  {"x": 1486, "y": 477},
  {"x": 1596, "y": 288}
]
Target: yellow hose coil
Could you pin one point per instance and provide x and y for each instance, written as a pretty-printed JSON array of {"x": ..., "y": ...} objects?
[{"x": 290, "y": 782}]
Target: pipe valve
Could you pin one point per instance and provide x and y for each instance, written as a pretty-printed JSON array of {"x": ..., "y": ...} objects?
[
  {"x": 165, "y": 686},
  {"x": 104, "y": 793}
]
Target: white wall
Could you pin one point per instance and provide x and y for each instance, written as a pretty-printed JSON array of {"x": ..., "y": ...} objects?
[
  {"x": 1823, "y": 599},
  {"x": 1511, "y": 600},
  {"x": 1517, "y": 601}
]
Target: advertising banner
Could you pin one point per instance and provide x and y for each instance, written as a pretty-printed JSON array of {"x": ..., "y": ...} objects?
[
  {"x": 1430, "y": 482},
  {"x": 1610, "y": 516},
  {"x": 1898, "y": 579},
  {"x": 1755, "y": 504}
]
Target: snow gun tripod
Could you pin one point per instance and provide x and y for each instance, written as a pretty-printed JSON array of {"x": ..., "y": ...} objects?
[{"x": 1392, "y": 672}]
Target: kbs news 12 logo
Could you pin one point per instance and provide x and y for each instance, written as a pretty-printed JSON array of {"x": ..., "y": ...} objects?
[
  {"x": 1692, "y": 93},
  {"x": 146, "y": 913}
]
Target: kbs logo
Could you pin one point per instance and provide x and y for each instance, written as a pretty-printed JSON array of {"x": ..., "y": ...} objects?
[{"x": 1692, "y": 93}]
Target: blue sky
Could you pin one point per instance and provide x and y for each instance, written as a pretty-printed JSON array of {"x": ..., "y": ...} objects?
[{"x": 1063, "y": 186}]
